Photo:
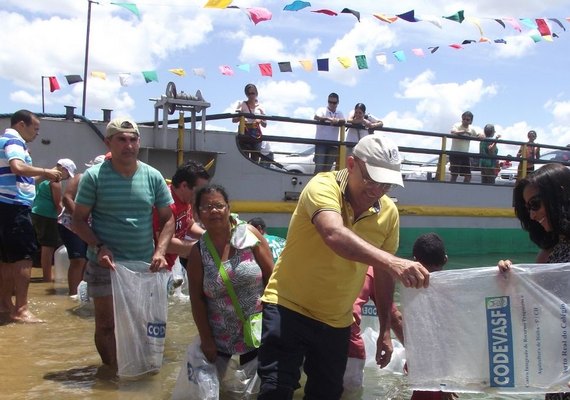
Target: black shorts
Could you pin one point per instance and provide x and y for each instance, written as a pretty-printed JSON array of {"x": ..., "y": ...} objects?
[
  {"x": 17, "y": 237},
  {"x": 459, "y": 165},
  {"x": 76, "y": 248},
  {"x": 46, "y": 231}
]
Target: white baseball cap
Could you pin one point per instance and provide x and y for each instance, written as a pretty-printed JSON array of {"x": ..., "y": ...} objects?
[
  {"x": 97, "y": 160},
  {"x": 68, "y": 165},
  {"x": 381, "y": 157}
]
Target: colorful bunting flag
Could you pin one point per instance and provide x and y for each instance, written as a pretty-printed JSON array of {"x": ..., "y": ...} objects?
[
  {"x": 99, "y": 74},
  {"x": 217, "y": 3},
  {"x": 71, "y": 79},
  {"x": 433, "y": 49},
  {"x": 344, "y": 61},
  {"x": 457, "y": 17},
  {"x": 361, "y": 62},
  {"x": 400, "y": 55},
  {"x": 327, "y": 12},
  {"x": 125, "y": 79},
  {"x": 322, "y": 64},
  {"x": 266, "y": 69},
  {"x": 226, "y": 70},
  {"x": 297, "y": 5},
  {"x": 382, "y": 59},
  {"x": 53, "y": 84},
  {"x": 199, "y": 72},
  {"x": 178, "y": 71},
  {"x": 558, "y": 22},
  {"x": 132, "y": 7},
  {"x": 307, "y": 65},
  {"x": 514, "y": 23},
  {"x": 468, "y": 41},
  {"x": 543, "y": 27},
  {"x": 150, "y": 76},
  {"x": 386, "y": 18},
  {"x": 432, "y": 20},
  {"x": 353, "y": 12},
  {"x": 418, "y": 52},
  {"x": 285, "y": 66},
  {"x": 500, "y": 22},
  {"x": 244, "y": 67},
  {"x": 258, "y": 14},
  {"x": 535, "y": 36},
  {"x": 529, "y": 23},
  {"x": 484, "y": 39},
  {"x": 456, "y": 46},
  {"x": 408, "y": 16},
  {"x": 503, "y": 41},
  {"x": 477, "y": 23}
]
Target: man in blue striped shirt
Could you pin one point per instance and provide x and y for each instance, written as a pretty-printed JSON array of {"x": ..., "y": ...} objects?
[
  {"x": 119, "y": 194},
  {"x": 17, "y": 192}
]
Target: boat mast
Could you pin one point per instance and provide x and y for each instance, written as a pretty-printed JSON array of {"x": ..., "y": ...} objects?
[{"x": 86, "y": 55}]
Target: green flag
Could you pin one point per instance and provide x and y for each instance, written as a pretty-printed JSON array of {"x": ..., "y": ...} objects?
[
  {"x": 150, "y": 76},
  {"x": 361, "y": 62},
  {"x": 132, "y": 7}
]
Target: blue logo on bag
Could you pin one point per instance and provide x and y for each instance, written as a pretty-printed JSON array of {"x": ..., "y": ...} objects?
[
  {"x": 500, "y": 341},
  {"x": 369, "y": 310},
  {"x": 156, "y": 329}
]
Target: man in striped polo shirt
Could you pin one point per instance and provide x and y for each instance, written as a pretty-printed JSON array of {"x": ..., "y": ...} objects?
[
  {"x": 119, "y": 194},
  {"x": 17, "y": 193}
]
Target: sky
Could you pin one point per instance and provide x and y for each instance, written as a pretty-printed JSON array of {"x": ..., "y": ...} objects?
[{"x": 517, "y": 86}]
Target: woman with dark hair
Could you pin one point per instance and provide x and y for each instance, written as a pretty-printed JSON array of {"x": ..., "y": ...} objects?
[
  {"x": 363, "y": 123},
  {"x": 542, "y": 205},
  {"x": 531, "y": 152},
  {"x": 247, "y": 260},
  {"x": 250, "y": 139}
]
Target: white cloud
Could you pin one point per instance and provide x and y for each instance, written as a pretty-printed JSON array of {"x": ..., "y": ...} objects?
[
  {"x": 516, "y": 47},
  {"x": 24, "y": 97}
]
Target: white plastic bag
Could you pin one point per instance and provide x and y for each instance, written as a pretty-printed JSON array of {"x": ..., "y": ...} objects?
[
  {"x": 398, "y": 359},
  {"x": 238, "y": 381},
  {"x": 140, "y": 303},
  {"x": 476, "y": 330},
  {"x": 181, "y": 290},
  {"x": 198, "y": 378}
]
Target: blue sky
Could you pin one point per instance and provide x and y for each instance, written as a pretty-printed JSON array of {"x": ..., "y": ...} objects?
[{"x": 518, "y": 86}]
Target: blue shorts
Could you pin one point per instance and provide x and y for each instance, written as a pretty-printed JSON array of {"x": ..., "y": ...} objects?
[
  {"x": 76, "y": 248},
  {"x": 17, "y": 236}
]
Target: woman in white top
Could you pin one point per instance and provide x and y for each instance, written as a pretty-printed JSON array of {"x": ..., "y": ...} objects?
[
  {"x": 250, "y": 141},
  {"x": 362, "y": 123}
]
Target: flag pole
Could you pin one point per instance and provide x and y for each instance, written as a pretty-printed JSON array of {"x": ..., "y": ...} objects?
[
  {"x": 43, "y": 102},
  {"x": 86, "y": 55}
]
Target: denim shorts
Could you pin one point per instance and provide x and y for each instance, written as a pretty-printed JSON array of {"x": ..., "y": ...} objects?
[{"x": 76, "y": 248}]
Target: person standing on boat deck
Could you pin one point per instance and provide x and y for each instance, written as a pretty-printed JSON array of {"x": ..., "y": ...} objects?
[
  {"x": 336, "y": 231},
  {"x": 250, "y": 141},
  {"x": 119, "y": 195},
  {"x": 532, "y": 153},
  {"x": 364, "y": 123},
  {"x": 488, "y": 148},
  {"x": 45, "y": 211},
  {"x": 325, "y": 154},
  {"x": 186, "y": 180},
  {"x": 460, "y": 164},
  {"x": 542, "y": 205},
  {"x": 17, "y": 192},
  {"x": 76, "y": 248}
]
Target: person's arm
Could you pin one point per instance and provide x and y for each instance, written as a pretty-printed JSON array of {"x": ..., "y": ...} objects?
[
  {"x": 68, "y": 198},
  {"x": 238, "y": 110},
  {"x": 195, "y": 270},
  {"x": 80, "y": 225},
  {"x": 347, "y": 244},
  {"x": 166, "y": 220},
  {"x": 263, "y": 255},
  {"x": 55, "y": 188},
  {"x": 19, "y": 167},
  {"x": 384, "y": 294},
  {"x": 261, "y": 122}
]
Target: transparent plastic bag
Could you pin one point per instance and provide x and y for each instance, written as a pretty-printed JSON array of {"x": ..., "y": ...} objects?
[
  {"x": 198, "y": 378},
  {"x": 140, "y": 304}
]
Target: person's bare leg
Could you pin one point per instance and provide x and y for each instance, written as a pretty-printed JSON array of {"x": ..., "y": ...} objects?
[
  {"x": 22, "y": 272},
  {"x": 47, "y": 263},
  {"x": 105, "y": 330},
  {"x": 6, "y": 289},
  {"x": 75, "y": 274},
  {"x": 467, "y": 178}
]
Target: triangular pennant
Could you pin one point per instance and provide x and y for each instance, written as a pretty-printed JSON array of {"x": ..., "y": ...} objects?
[
  {"x": 150, "y": 76},
  {"x": 484, "y": 40},
  {"x": 456, "y": 46},
  {"x": 361, "y": 62},
  {"x": 432, "y": 20},
  {"x": 226, "y": 70},
  {"x": 178, "y": 71},
  {"x": 400, "y": 55},
  {"x": 326, "y": 12},
  {"x": 258, "y": 14},
  {"x": 558, "y": 22},
  {"x": 297, "y": 5},
  {"x": 322, "y": 64},
  {"x": 502, "y": 41},
  {"x": 125, "y": 79},
  {"x": 477, "y": 23},
  {"x": 433, "y": 49},
  {"x": 418, "y": 52},
  {"x": 266, "y": 69},
  {"x": 386, "y": 18},
  {"x": 529, "y": 23},
  {"x": 132, "y": 7},
  {"x": 307, "y": 65},
  {"x": 199, "y": 72},
  {"x": 71, "y": 79},
  {"x": 217, "y": 3},
  {"x": 535, "y": 36},
  {"x": 543, "y": 27},
  {"x": 457, "y": 17},
  {"x": 99, "y": 74},
  {"x": 244, "y": 67},
  {"x": 382, "y": 59},
  {"x": 353, "y": 12},
  {"x": 285, "y": 66},
  {"x": 468, "y": 41},
  {"x": 408, "y": 16},
  {"x": 53, "y": 84},
  {"x": 500, "y": 22},
  {"x": 344, "y": 61},
  {"x": 514, "y": 23}
]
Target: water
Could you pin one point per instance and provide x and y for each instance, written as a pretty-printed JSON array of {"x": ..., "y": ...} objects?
[{"x": 58, "y": 359}]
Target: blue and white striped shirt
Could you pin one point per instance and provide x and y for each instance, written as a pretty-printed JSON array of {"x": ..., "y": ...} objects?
[{"x": 15, "y": 189}]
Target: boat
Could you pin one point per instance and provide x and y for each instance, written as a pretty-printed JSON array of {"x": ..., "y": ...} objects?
[{"x": 472, "y": 218}]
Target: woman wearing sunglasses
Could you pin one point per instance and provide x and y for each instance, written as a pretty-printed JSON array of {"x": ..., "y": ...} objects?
[
  {"x": 250, "y": 140},
  {"x": 542, "y": 204}
]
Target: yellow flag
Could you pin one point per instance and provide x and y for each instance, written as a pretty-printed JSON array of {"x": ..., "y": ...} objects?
[
  {"x": 217, "y": 3},
  {"x": 99, "y": 74},
  {"x": 344, "y": 61},
  {"x": 306, "y": 64},
  {"x": 177, "y": 71}
]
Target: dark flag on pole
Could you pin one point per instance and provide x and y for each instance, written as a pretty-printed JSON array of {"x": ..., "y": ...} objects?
[{"x": 71, "y": 79}]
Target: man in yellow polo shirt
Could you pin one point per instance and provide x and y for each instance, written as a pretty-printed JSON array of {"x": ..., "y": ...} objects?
[{"x": 341, "y": 224}]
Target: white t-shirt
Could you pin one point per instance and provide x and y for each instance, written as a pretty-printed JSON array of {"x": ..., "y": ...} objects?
[
  {"x": 354, "y": 134},
  {"x": 458, "y": 144},
  {"x": 329, "y": 132}
]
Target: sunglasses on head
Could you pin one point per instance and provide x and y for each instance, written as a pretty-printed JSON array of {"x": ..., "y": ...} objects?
[{"x": 534, "y": 203}]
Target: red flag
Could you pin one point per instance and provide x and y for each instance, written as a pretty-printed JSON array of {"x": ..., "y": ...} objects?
[
  {"x": 266, "y": 69},
  {"x": 543, "y": 27},
  {"x": 53, "y": 84}
]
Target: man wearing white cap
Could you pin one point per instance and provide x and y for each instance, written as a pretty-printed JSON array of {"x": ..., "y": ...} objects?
[
  {"x": 119, "y": 194},
  {"x": 342, "y": 221}
]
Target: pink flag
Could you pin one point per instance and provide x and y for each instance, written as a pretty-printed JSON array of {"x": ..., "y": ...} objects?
[
  {"x": 327, "y": 12},
  {"x": 226, "y": 70},
  {"x": 266, "y": 69},
  {"x": 418, "y": 52},
  {"x": 258, "y": 14},
  {"x": 456, "y": 46}
]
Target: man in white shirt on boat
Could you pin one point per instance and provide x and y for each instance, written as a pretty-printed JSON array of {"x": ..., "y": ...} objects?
[
  {"x": 460, "y": 164},
  {"x": 325, "y": 154}
]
